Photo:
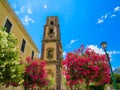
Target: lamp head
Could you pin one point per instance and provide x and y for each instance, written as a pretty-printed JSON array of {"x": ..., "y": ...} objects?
[{"x": 104, "y": 45}]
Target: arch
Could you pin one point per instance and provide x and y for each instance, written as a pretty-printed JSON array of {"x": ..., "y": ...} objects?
[
  {"x": 51, "y": 23},
  {"x": 50, "y": 52},
  {"x": 51, "y": 31}
]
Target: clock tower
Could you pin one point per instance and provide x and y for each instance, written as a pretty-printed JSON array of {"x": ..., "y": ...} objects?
[{"x": 52, "y": 50}]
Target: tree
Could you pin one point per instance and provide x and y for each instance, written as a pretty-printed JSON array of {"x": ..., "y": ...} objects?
[
  {"x": 117, "y": 76},
  {"x": 86, "y": 67},
  {"x": 11, "y": 70},
  {"x": 35, "y": 74},
  {"x": 117, "y": 70},
  {"x": 51, "y": 82}
]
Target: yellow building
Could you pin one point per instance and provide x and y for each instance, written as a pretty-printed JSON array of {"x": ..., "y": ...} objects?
[{"x": 9, "y": 19}]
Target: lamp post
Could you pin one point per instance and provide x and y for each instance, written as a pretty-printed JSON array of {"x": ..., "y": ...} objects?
[{"x": 104, "y": 46}]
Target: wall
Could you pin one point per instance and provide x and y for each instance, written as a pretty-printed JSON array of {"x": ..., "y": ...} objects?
[{"x": 18, "y": 29}]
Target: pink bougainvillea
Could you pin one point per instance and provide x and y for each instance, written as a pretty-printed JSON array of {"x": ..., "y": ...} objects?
[
  {"x": 35, "y": 73},
  {"x": 86, "y": 67}
]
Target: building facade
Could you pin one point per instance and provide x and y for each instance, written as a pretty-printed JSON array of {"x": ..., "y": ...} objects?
[
  {"x": 10, "y": 21},
  {"x": 52, "y": 50}
]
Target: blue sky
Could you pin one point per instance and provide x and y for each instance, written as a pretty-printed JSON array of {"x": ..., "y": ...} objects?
[{"x": 87, "y": 22}]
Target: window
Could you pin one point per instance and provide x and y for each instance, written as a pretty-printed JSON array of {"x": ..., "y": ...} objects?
[
  {"x": 8, "y": 26},
  {"x": 32, "y": 55},
  {"x": 51, "y": 31},
  {"x": 23, "y": 45},
  {"x": 51, "y": 23},
  {"x": 50, "y": 53}
]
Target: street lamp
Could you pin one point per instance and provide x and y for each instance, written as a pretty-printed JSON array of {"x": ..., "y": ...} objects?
[{"x": 104, "y": 46}]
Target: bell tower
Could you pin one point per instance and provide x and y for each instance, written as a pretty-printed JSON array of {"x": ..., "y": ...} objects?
[{"x": 52, "y": 49}]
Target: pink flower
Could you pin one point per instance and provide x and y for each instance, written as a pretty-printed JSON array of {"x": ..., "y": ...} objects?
[
  {"x": 88, "y": 66},
  {"x": 35, "y": 73}
]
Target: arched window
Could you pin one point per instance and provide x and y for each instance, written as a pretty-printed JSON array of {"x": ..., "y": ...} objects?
[
  {"x": 51, "y": 31},
  {"x": 50, "y": 52},
  {"x": 51, "y": 23}
]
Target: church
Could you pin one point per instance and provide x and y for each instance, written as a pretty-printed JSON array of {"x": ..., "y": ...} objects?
[
  {"x": 52, "y": 50},
  {"x": 51, "y": 43}
]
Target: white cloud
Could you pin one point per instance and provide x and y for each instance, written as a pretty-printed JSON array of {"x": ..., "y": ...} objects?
[
  {"x": 103, "y": 18},
  {"x": 113, "y": 15},
  {"x": 106, "y": 15},
  {"x": 113, "y": 68},
  {"x": 26, "y": 20},
  {"x": 71, "y": 43},
  {"x": 22, "y": 9},
  {"x": 96, "y": 49},
  {"x": 117, "y": 8},
  {"x": 29, "y": 10},
  {"x": 24, "y": 13},
  {"x": 45, "y": 6},
  {"x": 100, "y": 21},
  {"x": 64, "y": 54},
  {"x": 114, "y": 52},
  {"x": 101, "y": 51}
]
